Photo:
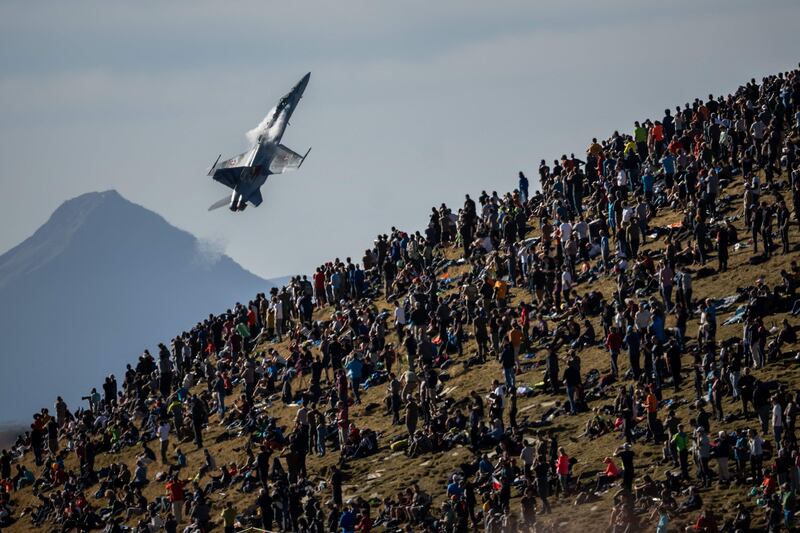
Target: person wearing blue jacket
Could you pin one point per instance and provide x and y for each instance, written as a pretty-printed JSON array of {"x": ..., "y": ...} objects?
[
  {"x": 605, "y": 251},
  {"x": 741, "y": 452},
  {"x": 358, "y": 281},
  {"x": 648, "y": 182},
  {"x": 354, "y": 368},
  {"x": 523, "y": 187},
  {"x": 348, "y": 520},
  {"x": 668, "y": 166},
  {"x": 633, "y": 341},
  {"x": 658, "y": 327}
]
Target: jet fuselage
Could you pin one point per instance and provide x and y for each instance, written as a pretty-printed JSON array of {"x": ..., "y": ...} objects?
[{"x": 254, "y": 166}]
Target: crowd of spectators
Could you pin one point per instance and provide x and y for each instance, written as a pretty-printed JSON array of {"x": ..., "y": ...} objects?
[{"x": 527, "y": 300}]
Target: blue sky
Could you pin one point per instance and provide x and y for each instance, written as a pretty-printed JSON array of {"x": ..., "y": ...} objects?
[{"x": 410, "y": 103}]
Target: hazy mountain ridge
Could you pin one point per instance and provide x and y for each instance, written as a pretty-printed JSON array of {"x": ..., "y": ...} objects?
[{"x": 100, "y": 281}]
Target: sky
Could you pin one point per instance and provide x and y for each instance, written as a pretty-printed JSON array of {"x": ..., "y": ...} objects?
[{"x": 410, "y": 104}]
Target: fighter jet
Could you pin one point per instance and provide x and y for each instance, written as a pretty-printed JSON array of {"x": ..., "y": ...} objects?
[{"x": 247, "y": 172}]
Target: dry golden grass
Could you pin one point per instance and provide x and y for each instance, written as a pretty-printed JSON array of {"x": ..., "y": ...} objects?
[{"x": 387, "y": 472}]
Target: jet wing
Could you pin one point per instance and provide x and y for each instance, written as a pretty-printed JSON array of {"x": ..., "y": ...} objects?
[
  {"x": 229, "y": 171},
  {"x": 285, "y": 159},
  {"x": 228, "y": 176},
  {"x": 245, "y": 159}
]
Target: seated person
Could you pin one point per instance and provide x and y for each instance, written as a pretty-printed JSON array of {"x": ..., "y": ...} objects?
[
  {"x": 607, "y": 476},
  {"x": 646, "y": 488},
  {"x": 140, "y": 474},
  {"x": 219, "y": 482},
  {"x": 769, "y": 484},
  {"x": 421, "y": 443},
  {"x": 786, "y": 334},
  {"x": 692, "y": 502},
  {"x": 587, "y": 338},
  {"x": 23, "y": 478},
  {"x": 707, "y": 521},
  {"x": 113, "y": 506},
  {"x": 597, "y": 425},
  {"x": 743, "y": 518}
]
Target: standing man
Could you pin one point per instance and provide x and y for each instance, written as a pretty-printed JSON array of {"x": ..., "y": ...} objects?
[
  {"x": 766, "y": 228},
  {"x": 176, "y": 497},
  {"x": 681, "y": 443},
  {"x": 509, "y": 362},
  {"x": 399, "y": 321},
  {"x": 228, "y": 516},
  {"x": 354, "y": 368},
  {"x": 722, "y": 247},
  {"x": 686, "y": 289},
  {"x": 784, "y": 218},
  {"x": 523, "y": 187},
  {"x": 626, "y": 455},
  {"x": 777, "y": 421},
  {"x": 665, "y": 276},
  {"x": 163, "y": 437},
  {"x": 614, "y": 343},
  {"x": 199, "y": 416}
]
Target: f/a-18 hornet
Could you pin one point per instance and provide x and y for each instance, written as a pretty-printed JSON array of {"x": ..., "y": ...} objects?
[{"x": 247, "y": 172}]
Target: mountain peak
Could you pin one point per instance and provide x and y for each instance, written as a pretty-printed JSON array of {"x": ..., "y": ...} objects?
[
  {"x": 68, "y": 220},
  {"x": 107, "y": 276},
  {"x": 84, "y": 203},
  {"x": 110, "y": 195}
]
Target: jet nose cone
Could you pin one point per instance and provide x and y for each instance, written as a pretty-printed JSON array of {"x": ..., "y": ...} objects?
[{"x": 301, "y": 85}]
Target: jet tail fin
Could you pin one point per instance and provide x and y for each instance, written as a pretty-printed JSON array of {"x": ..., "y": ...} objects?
[
  {"x": 220, "y": 203},
  {"x": 304, "y": 157},
  {"x": 211, "y": 170},
  {"x": 255, "y": 198}
]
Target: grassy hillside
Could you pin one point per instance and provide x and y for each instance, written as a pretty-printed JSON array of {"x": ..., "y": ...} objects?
[{"x": 389, "y": 472}]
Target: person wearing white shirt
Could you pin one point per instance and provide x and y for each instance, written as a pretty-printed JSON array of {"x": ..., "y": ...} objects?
[
  {"x": 566, "y": 231},
  {"x": 642, "y": 319},
  {"x": 581, "y": 228},
  {"x": 277, "y": 305},
  {"x": 622, "y": 178},
  {"x": 777, "y": 422},
  {"x": 163, "y": 436},
  {"x": 399, "y": 319},
  {"x": 527, "y": 456},
  {"x": 619, "y": 319},
  {"x": 399, "y": 315},
  {"x": 627, "y": 213},
  {"x": 566, "y": 283},
  {"x": 526, "y": 260},
  {"x": 756, "y": 453},
  {"x": 500, "y": 392}
]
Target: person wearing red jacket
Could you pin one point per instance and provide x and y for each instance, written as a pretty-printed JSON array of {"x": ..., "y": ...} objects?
[
  {"x": 176, "y": 496},
  {"x": 614, "y": 343},
  {"x": 608, "y": 476},
  {"x": 562, "y": 469}
]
